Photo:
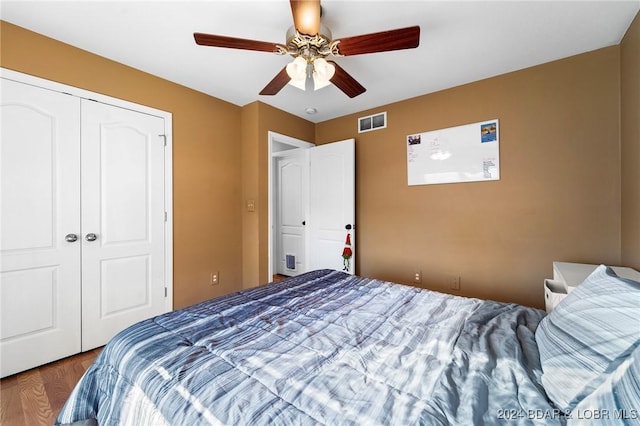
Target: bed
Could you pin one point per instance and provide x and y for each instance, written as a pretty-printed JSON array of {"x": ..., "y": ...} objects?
[{"x": 335, "y": 349}]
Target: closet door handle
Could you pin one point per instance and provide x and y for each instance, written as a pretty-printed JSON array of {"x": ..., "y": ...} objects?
[
  {"x": 91, "y": 237},
  {"x": 70, "y": 238}
]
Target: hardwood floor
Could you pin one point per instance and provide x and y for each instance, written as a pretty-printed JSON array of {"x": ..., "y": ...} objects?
[{"x": 34, "y": 397}]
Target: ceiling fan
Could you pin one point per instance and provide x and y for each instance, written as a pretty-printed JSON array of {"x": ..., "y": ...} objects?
[{"x": 310, "y": 42}]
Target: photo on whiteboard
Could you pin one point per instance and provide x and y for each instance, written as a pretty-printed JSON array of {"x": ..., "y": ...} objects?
[
  {"x": 413, "y": 139},
  {"x": 488, "y": 132}
]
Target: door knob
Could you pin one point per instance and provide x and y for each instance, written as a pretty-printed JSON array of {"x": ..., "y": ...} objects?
[
  {"x": 70, "y": 238},
  {"x": 91, "y": 237}
]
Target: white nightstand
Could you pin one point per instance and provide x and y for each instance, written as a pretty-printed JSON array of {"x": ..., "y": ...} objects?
[{"x": 567, "y": 276}]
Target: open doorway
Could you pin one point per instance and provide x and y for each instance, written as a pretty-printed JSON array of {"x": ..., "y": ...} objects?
[
  {"x": 311, "y": 205},
  {"x": 282, "y": 155}
]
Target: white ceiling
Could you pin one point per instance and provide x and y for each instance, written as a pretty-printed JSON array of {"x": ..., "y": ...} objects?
[{"x": 460, "y": 42}]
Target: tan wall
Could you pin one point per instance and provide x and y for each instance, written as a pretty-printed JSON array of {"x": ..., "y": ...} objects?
[
  {"x": 262, "y": 118},
  {"x": 630, "y": 137},
  {"x": 206, "y": 154},
  {"x": 250, "y": 191},
  {"x": 558, "y": 197}
]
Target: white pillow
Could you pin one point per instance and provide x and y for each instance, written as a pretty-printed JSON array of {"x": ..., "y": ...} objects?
[
  {"x": 616, "y": 400},
  {"x": 587, "y": 335}
]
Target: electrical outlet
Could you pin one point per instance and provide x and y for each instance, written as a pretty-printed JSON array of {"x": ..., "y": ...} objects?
[
  {"x": 454, "y": 282},
  {"x": 215, "y": 278},
  {"x": 417, "y": 277}
]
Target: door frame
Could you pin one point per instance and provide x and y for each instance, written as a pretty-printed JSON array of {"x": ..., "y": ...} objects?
[
  {"x": 275, "y": 140},
  {"x": 168, "y": 157}
]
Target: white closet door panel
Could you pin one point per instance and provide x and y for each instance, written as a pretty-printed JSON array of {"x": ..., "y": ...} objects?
[
  {"x": 39, "y": 205},
  {"x": 123, "y": 205},
  {"x": 22, "y": 122}
]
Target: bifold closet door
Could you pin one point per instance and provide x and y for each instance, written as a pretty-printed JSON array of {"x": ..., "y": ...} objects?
[
  {"x": 122, "y": 220},
  {"x": 39, "y": 226}
]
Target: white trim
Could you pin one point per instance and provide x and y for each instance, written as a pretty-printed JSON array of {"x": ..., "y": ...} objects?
[
  {"x": 168, "y": 158},
  {"x": 274, "y": 137},
  {"x": 81, "y": 93},
  {"x": 168, "y": 208}
]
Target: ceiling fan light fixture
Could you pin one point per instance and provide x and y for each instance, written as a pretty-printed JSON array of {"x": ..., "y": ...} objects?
[
  {"x": 297, "y": 71},
  {"x": 323, "y": 71}
]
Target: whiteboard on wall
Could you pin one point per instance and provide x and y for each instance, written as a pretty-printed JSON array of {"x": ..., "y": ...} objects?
[{"x": 467, "y": 153}]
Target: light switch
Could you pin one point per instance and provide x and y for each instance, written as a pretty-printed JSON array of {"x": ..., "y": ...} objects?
[{"x": 251, "y": 205}]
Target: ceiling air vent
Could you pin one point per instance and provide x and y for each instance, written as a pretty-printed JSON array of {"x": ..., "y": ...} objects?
[{"x": 372, "y": 122}]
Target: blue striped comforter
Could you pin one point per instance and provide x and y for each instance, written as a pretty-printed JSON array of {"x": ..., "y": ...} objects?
[{"x": 322, "y": 348}]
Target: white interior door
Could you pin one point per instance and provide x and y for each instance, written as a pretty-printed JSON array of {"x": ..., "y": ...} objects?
[
  {"x": 123, "y": 217},
  {"x": 331, "y": 205},
  {"x": 40, "y": 205},
  {"x": 291, "y": 184}
]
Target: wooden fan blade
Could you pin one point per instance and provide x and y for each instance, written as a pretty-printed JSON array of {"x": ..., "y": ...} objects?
[
  {"x": 343, "y": 81},
  {"x": 384, "y": 41},
  {"x": 234, "y": 43},
  {"x": 279, "y": 81},
  {"x": 306, "y": 16}
]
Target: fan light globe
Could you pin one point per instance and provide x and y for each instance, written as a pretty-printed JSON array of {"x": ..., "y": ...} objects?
[
  {"x": 297, "y": 71},
  {"x": 322, "y": 73}
]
